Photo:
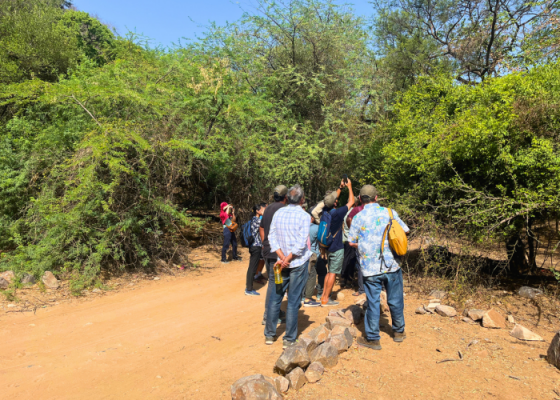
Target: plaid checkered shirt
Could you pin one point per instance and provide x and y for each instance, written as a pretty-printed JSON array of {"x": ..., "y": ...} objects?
[{"x": 289, "y": 231}]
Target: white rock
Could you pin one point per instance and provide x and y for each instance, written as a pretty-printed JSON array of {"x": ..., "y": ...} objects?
[{"x": 522, "y": 333}]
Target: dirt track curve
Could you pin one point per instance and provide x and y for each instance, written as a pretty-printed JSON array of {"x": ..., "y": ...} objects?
[{"x": 192, "y": 337}]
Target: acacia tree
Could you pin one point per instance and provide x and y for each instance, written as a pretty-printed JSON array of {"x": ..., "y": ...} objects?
[{"x": 477, "y": 36}]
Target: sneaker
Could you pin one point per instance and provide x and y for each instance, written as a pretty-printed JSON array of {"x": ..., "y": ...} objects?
[
  {"x": 252, "y": 293},
  {"x": 311, "y": 303},
  {"x": 238, "y": 259},
  {"x": 286, "y": 344},
  {"x": 268, "y": 340},
  {"x": 370, "y": 344},
  {"x": 225, "y": 262},
  {"x": 330, "y": 303},
  {"x": 399, "y": 336}
]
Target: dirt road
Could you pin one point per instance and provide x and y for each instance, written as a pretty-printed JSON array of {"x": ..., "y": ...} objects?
[{"x": 192, "y": 337}]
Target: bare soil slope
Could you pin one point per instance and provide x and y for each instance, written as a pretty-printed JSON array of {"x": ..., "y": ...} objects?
[{"x": 192, "y": 337}]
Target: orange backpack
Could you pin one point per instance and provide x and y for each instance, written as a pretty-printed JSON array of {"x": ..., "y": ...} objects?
[{"x": 397, "y": 237}]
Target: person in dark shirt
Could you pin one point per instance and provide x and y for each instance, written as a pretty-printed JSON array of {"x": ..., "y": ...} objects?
[
  {"x": 280, "y": 199},
  {"x": 336, "y": 249}
]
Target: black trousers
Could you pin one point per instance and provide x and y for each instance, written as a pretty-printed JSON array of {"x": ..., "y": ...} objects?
[
  {"x": 255, "y": 252},
  {"x": 322, "y": 271},
  {"x": 349, "y": 262}
]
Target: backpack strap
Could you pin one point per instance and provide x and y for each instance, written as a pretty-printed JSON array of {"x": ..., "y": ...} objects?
[{"x": 386, "y": 231}]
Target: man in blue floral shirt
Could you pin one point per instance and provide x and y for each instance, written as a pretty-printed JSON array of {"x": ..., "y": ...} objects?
[{"x": 366, "y": 234}]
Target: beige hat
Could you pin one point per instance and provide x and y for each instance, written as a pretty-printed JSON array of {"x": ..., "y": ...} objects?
[
  {"x": 282, "y": 190},
  {"x": 369, "y": 191},
  {"x": 329, "y": 200}
]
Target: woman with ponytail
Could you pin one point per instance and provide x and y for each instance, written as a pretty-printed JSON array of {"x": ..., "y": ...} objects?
[{"x": 255, "y": 249}]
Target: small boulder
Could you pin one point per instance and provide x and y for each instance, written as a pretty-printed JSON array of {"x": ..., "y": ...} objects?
[
  {"x": 468, "y": 320},
  {"x": 353, "y": 314},
  {"x": 336, "y": 313},
  {"x": 342, "y": 330},
  {"x": 510, "y": 319},
  {"x": 326, "y": 354},
  {"x": 436, "y": 301},
  {"x": 8, "y": 276},
  {"x": 446, "y": 311},
  {"x": 529, "y": 292},
  {"x": 420, "y": 310},
  {"x": 553, "y": 353},
  {"x": 333, "y": 321},
  {"x": 319, "y": 334},
  {"x": 282, "y": 384},
  {"x": 431, "y": 307},
  {"x": 28, "y": 279},
  {"x": 4, "y": 284},
  {"x": 297, "y": 378},
  {"x": 360, "y": 301},
  {"x": 96, "y": 290},
  {"x": 307, "y": 343},
  {"x": 293, "y": 357},
  {"x": 522, "y": 333},
  {"x": 50, "y": 280},
  {"x": 437, "y": 294},
  {"x": 493, "y": 319},
  {"x": 340, "y": 296},
  {"x": 475, "y": 315},
  {"x": 340, "y": 342},
  {"x": 314, "y": 372},
  {"x": 254, "y": 387}
]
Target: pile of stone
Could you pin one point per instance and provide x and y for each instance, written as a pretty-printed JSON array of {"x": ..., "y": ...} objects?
[
  {"x": 48, "y": 279},
  {"x": 305, "y": 361},
  {"x": 435, "y": 307}
]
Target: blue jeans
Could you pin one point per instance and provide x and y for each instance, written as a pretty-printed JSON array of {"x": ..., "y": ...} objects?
[
  {"x": 394, "y": 284},
  {"x": 229, "y": 237},
  {"x": 294, "y": 280}
]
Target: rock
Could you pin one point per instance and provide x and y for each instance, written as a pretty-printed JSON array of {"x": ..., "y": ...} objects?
[
  {"x": 437, "y": 294},
  {"x": 475, "y": 315},
  {"x": 353, "y": 331},
  {"x": 529, "y": 292},
  {"x": 8, "y": 276},
  {"x": 340, "y": 342},
  {"x": 28, "y": 279},
  {"x": 336, "y": 313},
  {"x": 282, "y": 384},
  {"x": 383, "y": 306},
  {"x": 254, "y": 387},
  {"x": 50, "y": 280},
  {"x": 522, "y": 333},
  {"x": 326, "y": 354},
  {"x": 353, "y": 314},
  {"x": 468, "y": 320},
  {"x": 319, "y": 334},
  {"x": 342, "y": 330},
  {"x": 156, "y": 278},
  {"x": 297, "y": 378},
  {"x": 446, "y": 311},
  {"x": 293, "y": 357},
  {"x": 493, "y": 319},
  {"x": 431, "y": 307},
  {"x": 340, "y": 296},
  {"x": 314, "y": 372},
  {"x": 420, "y": 310},
  {"x": 4, "y": 284},
  {"x": 360, "y": 301},
  {"x": 510, "y": 319},
  {"x": 553, "y": 353},
  {"x": 11, "y": 305},
  {"x": 96, "y": 290},
  {"x": 333, "y": 321},
  {"x": 307, "y": 343},
  {"x": 436, "y": 301}
]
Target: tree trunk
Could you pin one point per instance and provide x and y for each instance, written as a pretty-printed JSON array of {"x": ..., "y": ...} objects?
[{"x": 516, "y": 255}]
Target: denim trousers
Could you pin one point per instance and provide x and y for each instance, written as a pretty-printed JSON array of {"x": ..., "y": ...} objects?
[
  {"x": 229, "y": 237},
  {"x": 373, "y": 285},
  {"x": 294, "y": 281}
]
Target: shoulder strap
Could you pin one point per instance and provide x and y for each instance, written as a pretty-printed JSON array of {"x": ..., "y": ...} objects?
[{"x": 390, "y": 213}]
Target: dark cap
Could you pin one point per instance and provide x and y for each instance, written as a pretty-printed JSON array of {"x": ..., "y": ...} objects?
[
  {"x": 369, "y": 191},
  {"x": 281, "y": 190}
]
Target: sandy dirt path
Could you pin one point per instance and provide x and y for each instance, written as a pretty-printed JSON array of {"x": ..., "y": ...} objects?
[{"x": 192, "y": 337}]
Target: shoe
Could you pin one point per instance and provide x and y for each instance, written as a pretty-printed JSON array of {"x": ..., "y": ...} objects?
[
  {"x": 225, "y": 262},
  {"x": 268, "y": 340},
  {"x": 357, "y": 294},
  {"x": 286, "y": 344},
  {"x": 330, "y": 303},
  {"x": 399, "y": 336},
  {"x": 370, "y": 344},
  {"x": 311, "y": 303},
  {"x": 252, "y": 293},
  {"x": 238, "y": 259}
]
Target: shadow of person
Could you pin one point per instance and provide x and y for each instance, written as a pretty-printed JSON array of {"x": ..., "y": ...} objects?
[{"x": 304, "y": 321}]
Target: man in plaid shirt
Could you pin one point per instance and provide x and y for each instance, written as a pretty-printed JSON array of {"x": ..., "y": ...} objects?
[{"x": 289, "y": 238}]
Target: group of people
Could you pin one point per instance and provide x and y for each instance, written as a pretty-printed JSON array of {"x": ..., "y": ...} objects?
[{"x": 285, "y": 233}]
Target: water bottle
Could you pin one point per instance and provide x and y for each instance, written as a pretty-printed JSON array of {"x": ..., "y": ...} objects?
[{"x": 278, "y": 273}]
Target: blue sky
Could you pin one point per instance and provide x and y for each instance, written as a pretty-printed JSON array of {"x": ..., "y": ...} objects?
[{"x": 166, "y": 21}]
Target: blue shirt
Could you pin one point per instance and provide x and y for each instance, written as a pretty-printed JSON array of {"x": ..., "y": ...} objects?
[
  {"x": 313, "y": 237},
  {"x": 367, "y": 230},
  {"x": 289, "y": 231},
  {"x": 337, "y": 219}
]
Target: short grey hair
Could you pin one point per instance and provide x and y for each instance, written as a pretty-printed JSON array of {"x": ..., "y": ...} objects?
[{"x": 295, "y": 194}]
